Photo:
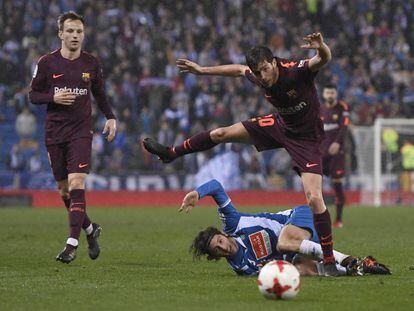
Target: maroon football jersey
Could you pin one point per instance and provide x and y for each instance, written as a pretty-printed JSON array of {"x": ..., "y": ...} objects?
[
  {"x": 295, "y": 98},
  {"x": 335, "y": 121},
  {"x": 82, "y": 76}
]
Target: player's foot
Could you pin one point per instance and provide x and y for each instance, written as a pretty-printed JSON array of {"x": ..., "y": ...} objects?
[
  {"x": 67, "y": 255},
  {"x": 338, "y": 224},
  {"x": 164, "y": 153},
  {"x": 372, "y": 266},
  {"x": 93, "y": 246},
  {"x": 367, "y": 265}
]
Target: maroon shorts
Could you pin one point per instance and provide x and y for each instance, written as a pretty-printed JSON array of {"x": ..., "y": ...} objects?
[
  {"x": 334, "y": 165},
  {"x": 70, "y": 157},
  {"x": 266, "y": 134}
]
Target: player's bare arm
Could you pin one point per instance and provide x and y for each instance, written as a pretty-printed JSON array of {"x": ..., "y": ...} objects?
[
  {"x": 110, "y": 128},
  {"x": 64, "y": 98},
  {"x": 231, "y": 70},
  {"x": 189, "y": 201},
  {"x": 323, "y": 55}
]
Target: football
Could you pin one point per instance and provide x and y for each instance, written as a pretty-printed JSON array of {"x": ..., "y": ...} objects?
[{"x": 279, "y": 279}]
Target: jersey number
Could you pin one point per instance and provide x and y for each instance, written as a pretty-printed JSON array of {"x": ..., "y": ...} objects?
[{"x": 266, "y": 121}]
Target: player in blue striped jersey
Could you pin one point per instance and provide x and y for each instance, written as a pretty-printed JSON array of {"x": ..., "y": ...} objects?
[{"x": 248, "y": 240}]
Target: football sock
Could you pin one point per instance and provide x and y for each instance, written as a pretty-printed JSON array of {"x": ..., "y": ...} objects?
[
  {"x": 86, "y": 221},
  {"x": 86, "y": 224},
  {"x": 76, "y": 214},
  {"x": 71, "y": 244},
  {"x": 88, "y": 229},
  {"x": 339, "y": 199},
  {"x": 313, "y": 249},
  {"x": 323, "y": 227},
  {"x": 199, "y": 142}
]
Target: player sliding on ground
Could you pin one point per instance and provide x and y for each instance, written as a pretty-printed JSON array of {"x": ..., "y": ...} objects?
[
  {"x": 296, "y": 126},
  {"x": 64, "y": 80},
  {"x": 248, "y": 241}
]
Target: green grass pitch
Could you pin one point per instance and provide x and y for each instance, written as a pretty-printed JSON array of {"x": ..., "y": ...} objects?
[{"x": 145, "y": 264}]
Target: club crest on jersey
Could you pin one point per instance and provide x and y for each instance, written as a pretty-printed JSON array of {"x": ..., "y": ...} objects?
[
  {"x": 292, "y": 93},
  {"x": 261, "y": 245},
  {"x": 86, "y": 76},
  {"x": 335, "y": 117}
]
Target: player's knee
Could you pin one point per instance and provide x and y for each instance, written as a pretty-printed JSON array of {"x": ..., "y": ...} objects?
[
  {"x": 285, "y": 246},
  {"x": 315, "y": 199},
  {"x": 77, "y": 183},
  {"x": 63, "y": 190},
  {"x": 218, "y": 135}
]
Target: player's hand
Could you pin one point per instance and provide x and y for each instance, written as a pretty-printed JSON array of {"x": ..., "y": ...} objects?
[
  {"x": 186, "y": 65},
  {"x": 64, "y": 98},
  {"x": 110, "y": 128},
  {"x": 313, "y": 41},
  {"x": 189, "y": 202},
  {"x": 334, "y": 148}
]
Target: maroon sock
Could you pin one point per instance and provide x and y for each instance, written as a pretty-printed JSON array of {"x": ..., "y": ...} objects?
[
  {"x": 199, "y": 142},
  {"x": 76, "y": 212},
  {"x": 323, "y": 227},
  {"x": 339, "y": 199},
  {"x": 86, "y": 220}
]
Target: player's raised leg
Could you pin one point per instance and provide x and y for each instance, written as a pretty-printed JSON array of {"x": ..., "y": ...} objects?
[
  {"x": 235, "y": 133},
  {"x": 312, "y": 185}
]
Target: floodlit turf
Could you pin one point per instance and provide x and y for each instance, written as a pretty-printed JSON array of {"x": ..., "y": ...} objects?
[{"x": 145, "y": 264}]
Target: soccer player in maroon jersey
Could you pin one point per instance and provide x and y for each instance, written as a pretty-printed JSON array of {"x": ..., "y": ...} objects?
[
  {"x": 64, "y": 80},
  {"x": 296, "y": 125},
  {"x": 335, "y": 116}
]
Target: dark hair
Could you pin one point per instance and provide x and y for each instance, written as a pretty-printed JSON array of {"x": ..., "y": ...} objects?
[
  {"x": 201, "y": 243},
  {"x": 69, "y": 15},
  {"x": 330, "y": 86},
  {"x": 257, "y": 55}
]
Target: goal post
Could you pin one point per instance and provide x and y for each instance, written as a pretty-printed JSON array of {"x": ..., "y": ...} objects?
[{"x": 385, "y": 153}]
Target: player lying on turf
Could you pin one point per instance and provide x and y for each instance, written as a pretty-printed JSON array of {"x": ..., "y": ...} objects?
[{"x": 248, "y": 241}]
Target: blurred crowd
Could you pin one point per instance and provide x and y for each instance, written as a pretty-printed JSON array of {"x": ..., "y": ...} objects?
[{"x": 138, "y": 42}]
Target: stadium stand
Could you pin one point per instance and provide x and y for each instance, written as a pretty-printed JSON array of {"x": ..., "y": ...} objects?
[{"x": 139, "y": 41}]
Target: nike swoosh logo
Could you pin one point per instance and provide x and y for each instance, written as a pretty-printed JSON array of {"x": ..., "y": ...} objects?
[
  {"x": 57, "y": 76},
  {"x": 311, "y": 165},
  {"x": 83, "y": 165}
]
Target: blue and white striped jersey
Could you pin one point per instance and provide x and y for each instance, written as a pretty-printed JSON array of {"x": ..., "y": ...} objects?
[{"x": 255, "y": 234}]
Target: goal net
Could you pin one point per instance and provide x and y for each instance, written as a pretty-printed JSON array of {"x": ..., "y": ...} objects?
[{"x": 385, "y": 154}]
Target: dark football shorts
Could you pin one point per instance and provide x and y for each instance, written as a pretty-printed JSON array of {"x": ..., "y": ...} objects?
[
  {"x": 334, "y": 165},
  {"x": 70, "y": 157},
  {"x": 267, "y": 134}
]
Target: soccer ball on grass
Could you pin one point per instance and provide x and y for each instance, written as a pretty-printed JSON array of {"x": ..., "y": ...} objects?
[{"x": 279, "y": 279}]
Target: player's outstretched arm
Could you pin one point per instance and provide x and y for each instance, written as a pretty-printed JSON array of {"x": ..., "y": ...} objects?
[
  {"x": 323, "y": 55},
  {"x": 232, "y": 70},
  {"x": 211, "y": 188}
]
